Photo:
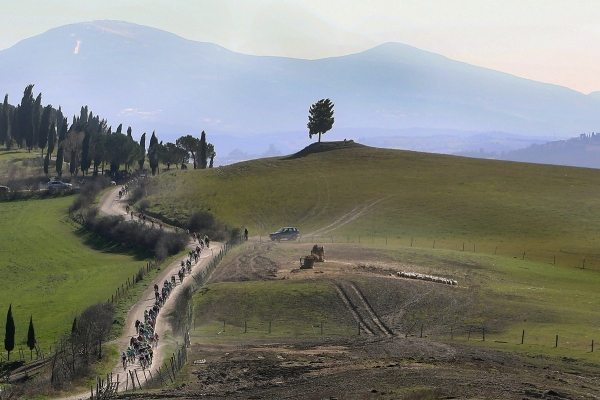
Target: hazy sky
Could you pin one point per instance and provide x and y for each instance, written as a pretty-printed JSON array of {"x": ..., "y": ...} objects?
[{"x": 555, "y": 41}]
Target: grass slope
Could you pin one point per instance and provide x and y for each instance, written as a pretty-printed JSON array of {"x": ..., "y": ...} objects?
[
  {"x": 295, "y": 309},
  {"x": 49, "y": 271},
  {"x": 507, "y": 296},
  {"x": 518, "y": 207}
]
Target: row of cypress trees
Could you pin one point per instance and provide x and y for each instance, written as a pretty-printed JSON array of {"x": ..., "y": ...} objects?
[
  {"x": 89, "y": 142},
  {"x": 9, "y": 336}
]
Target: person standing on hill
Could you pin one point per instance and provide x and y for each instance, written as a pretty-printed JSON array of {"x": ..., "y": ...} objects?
[{"x": 246, "y": 234}]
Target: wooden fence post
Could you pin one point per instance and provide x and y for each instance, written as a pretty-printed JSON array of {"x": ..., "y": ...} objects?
[
  {"x": 523, "y": 337},
  {"x": 137, "y": 378}
]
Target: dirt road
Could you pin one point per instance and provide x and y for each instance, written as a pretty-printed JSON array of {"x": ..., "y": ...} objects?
[{"x": 110, "y": 204}]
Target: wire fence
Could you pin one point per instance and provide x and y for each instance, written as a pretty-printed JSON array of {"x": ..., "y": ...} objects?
[
  {"x": 568, "y": 257},
  {"x": 533, "y": 337},
  {"x": 138, "y": 378}
]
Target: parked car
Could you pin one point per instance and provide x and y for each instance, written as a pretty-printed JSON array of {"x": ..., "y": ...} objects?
[
  {"x": 58, "y": 185},
  {"x": 286, "y": 233},
  {"x": 4, "y": 189}
]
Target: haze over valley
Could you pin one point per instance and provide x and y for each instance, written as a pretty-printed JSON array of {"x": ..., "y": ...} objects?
[{"x": 393, "y": 95}]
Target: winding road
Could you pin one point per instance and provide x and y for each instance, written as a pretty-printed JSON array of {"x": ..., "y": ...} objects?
[{"x": 110, "y": 204}]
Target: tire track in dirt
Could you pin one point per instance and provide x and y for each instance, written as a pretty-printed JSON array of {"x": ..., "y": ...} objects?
[
  {"x": 353, "y": 309},
  {"x": 345, "y": 219},
  {"x": 251, "y": 264},
  {"x": 372, "y": 315}
]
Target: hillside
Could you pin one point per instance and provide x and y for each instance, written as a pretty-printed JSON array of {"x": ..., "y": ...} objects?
[
  {"x": 581, "y": 151},
  {"x": 370, "y": 192},
  {"x": 160, "y": 81},
  {"x": 53, "y": 270}
]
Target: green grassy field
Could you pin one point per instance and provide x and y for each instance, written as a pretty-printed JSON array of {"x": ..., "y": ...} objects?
[
  {"x": 540, "y": 209},
  {"x": 51, "y": 271},
  {"x": 295, "y": 309},
  {"x": 507, "y": 296}
]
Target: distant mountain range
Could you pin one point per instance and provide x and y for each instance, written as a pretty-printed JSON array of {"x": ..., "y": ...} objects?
[{"x": 154, "y": 80}]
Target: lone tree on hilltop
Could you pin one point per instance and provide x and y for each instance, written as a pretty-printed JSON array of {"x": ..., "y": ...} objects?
[
  {"x": 9, "y": 337},
  {"x": 31, "y": 342},
  {"x": 320, "y": 118}
]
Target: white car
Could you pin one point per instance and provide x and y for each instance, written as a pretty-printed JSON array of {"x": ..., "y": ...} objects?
[{"x": 59, "y": 185}]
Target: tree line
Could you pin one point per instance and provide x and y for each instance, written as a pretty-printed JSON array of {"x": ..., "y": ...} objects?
[{"x": 88, "y": 145}]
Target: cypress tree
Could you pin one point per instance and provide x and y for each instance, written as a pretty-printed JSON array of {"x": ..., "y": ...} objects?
[
  {"x": 4, "y": 120},
  {"x": 15, "y": 126},
  {"x": 83, "y": 118},
  {"x": 51, "y": 139},
  {"x": 25, "y": 117},
  {"x": 119, "y": 128},
  {"x": 36, "y": 116},
  {"x": 211, "y": 154},
  {"x": 9, "y": 337},
  {"x": 153, "y": 153},
  {"x": 203, "y": 150},
  {"x": 46, "y": 164},
  {"x": 73, "y": 163},
  {"x": 143, "y": 151},
  {"x": 44, "y": 128},
  {"x": 62, "y": 133},
  {"x": 59, "y": 118},
  {"x": 85, "y": 153},
  {"x": 31, "y": 342}
]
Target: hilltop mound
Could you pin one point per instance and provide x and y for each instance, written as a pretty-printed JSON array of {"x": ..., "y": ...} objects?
[{"x": 321, "y": 147}]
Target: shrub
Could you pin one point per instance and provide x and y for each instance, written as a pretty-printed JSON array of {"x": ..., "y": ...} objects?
[
  {"x": 88, "y": 193},
  {"x": 201, "y": 221},
  {"x": 161, "y": 243}
]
